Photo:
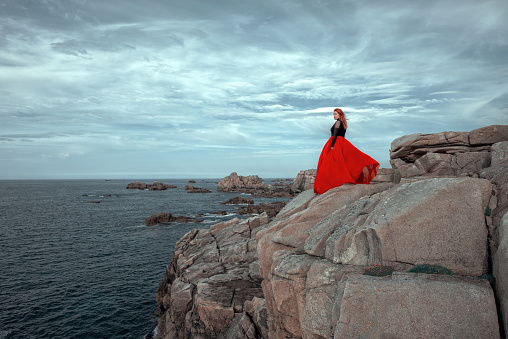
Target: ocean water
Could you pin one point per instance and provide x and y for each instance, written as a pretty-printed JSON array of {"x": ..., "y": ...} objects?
[{"x": 77, "y": 261}]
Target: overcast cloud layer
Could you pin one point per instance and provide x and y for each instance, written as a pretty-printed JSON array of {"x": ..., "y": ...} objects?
[{"x": 201, "y": 88}]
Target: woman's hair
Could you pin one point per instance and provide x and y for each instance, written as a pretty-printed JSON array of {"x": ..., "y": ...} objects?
[{"x": 342, "y": 117}]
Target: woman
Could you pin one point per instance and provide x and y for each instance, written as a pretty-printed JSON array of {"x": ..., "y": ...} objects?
[{"x": 341, "y": 162}]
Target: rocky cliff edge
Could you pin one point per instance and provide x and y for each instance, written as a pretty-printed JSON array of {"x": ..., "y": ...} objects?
[{"x": 420, "y": 255}]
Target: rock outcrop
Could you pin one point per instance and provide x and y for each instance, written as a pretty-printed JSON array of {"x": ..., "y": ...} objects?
[
  {"x": 445, "y": 154},
  {"x": 501, "y": 271},
  {"x": 255, "y": 186},
  {"x": 156, "y": 186},
  {"x": 317, "y": 246},
  {"x": 497, "y": 219},
  {"x": 271, "y": 209},
  {"x": 308, "y": 272},
  {"x": 192, "y": 189},
  {"x": 164, "y": 217},
  {"x": 238, "y": 183},
  {"x": 136, "y": 185},
  {"x": 213, "y": 281},
  {"x": 304, "y": 181},
  {"x": 416, "y": 306}
]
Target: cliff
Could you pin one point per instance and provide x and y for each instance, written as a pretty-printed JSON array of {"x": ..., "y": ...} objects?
[{"x": 422, "y": 252}]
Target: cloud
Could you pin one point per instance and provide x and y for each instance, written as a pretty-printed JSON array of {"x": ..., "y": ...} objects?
[
  {"x": 70, "y": 47},
  {"x": 242, "y": 80}
]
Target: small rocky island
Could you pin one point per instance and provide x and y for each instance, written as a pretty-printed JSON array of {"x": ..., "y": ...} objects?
[
  {"x": 156, "y": 186},
  {"x": 165, "y": 217},
  {"x": 421, "y": 252},
  {"x": 192, "y": 189},
  {"x": 254, "y": 186}
]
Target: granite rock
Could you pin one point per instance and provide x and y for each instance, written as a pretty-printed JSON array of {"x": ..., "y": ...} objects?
[
  {"x": 164, "y": 217},
  {"x": 500, "y": 264},
  {"x": 304, "y": 274},
  {"x": 318, "y": 244},
  {"x": 213, "y": 283},
  {"x": 417, "y": 306},
  {"x": 238, "y": 201},
  {"x": 156, "y": 186},
  {"x": 235, "y": 182},
  {"x": 447, "y": 154},
  {"x": 192, "y": 189},
  {"x": 304, "y": 180},
  {"x": 254, "y": 186}
]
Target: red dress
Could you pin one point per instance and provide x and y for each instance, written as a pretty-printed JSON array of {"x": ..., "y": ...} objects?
[{"x": 343, "y": 164}]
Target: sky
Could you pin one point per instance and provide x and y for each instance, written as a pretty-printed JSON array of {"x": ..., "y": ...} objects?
[{"x": 134, "y": 89}]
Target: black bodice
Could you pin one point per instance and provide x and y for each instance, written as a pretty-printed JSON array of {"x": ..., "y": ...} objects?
[{"x": 341, "y": 131}]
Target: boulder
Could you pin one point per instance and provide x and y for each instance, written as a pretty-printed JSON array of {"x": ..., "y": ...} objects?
[
  {"x": 304, "y": 180},
  {"x": 240, "y": 327},
  {"x": 294, "y": 230},
  {"x": 383, "y": 175},
  {"x": 417, "y": 306},
  {"x": 489, "y": 135},
  {"x": 500, "y": 153},
  {"x": 411, "y": 147},
  {"x": 256, "y": 310},
  {"x": 218, "y": 302},
  {"x": 447, "y": 154},
  {"x": 252, "y": 323},
  {"x": 429, "y": 214}
]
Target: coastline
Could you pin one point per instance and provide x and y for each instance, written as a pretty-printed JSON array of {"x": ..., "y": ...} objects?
[{"x": 305, "y": 272}]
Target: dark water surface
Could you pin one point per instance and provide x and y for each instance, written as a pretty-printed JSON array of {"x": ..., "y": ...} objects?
[{"x": 74, "y": 268}]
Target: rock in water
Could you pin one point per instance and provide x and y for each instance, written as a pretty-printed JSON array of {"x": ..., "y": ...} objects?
[
  {"x": 167, "y": 217},
  {"x": 192, "y": 189},
  {"x": 136, "y": 185},
  {"x": 234, "y": 182},
  {"x": 238, "y": 201},
  {"x": 158, "y": 219},
  {"x": 156, "y": 186}
]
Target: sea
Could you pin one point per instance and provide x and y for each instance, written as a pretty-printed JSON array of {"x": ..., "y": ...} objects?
[{"x": 78, "y": 261}]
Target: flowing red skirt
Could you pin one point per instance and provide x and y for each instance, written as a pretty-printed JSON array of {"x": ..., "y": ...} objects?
[{"x": 343, "y": 164}]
